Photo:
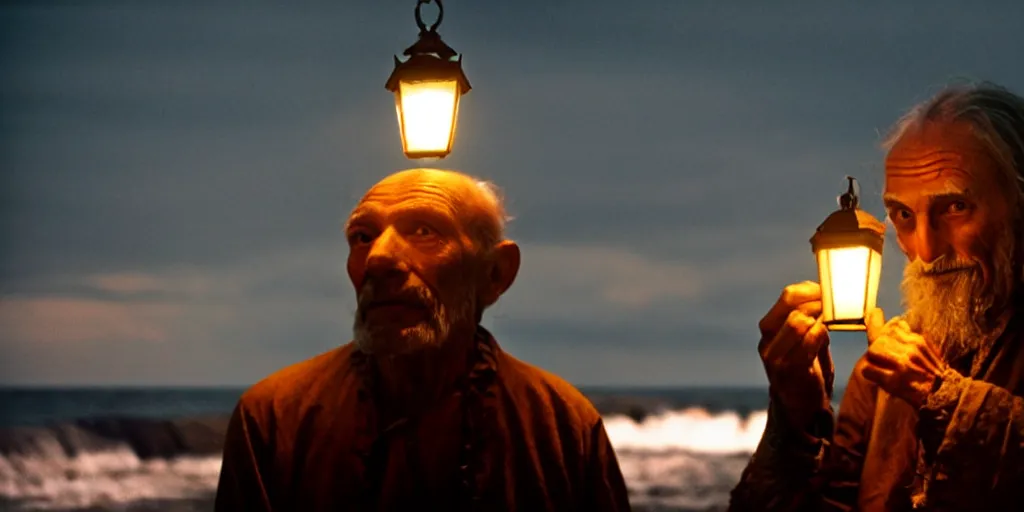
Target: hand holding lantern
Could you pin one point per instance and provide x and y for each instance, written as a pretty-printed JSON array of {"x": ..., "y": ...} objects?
[{"x": 794, "y": 344}]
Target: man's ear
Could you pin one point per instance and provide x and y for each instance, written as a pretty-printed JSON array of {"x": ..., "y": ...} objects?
[{"x": 501, "y": 271}]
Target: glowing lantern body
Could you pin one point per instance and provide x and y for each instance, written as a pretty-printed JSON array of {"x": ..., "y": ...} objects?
[
  {"x": 427, "y": 89},
  {"x": 848, "y": 247}
]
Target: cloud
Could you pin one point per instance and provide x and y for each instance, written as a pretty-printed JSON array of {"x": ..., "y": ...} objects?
[
  {"x": 59, "y": 320},
  {"x": 610, "y": 276},
  {"x": 629, "y": 363},
  {"x": 132, "y": 283}
]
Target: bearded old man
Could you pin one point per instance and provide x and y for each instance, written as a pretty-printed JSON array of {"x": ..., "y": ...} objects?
[
  {"x": 933, "y": 415},
  {"x": 422, "y": 409}
]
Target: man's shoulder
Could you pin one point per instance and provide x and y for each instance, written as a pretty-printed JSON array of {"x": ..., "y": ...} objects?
[
  {"x": 298, "y": 380},
  {"x": 536, "y": 384}
]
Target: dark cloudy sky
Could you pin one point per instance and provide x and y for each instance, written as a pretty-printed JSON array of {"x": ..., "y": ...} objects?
[{"x": 176, "y": 174}]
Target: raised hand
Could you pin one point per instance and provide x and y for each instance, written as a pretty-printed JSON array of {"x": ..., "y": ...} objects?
[
  {"x": 899, "y": 360},
  {"x": 794, "y": 348}
]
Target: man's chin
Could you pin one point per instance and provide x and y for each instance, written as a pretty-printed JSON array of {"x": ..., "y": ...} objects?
[{"x": 393, "y": 342}]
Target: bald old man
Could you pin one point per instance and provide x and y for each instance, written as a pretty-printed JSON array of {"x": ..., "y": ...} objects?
[
  {"x": 933, "y": 414},
  {"x": 422, "y": 410}
]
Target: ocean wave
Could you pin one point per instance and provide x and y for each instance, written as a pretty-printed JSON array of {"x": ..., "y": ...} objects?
[
  {"x": 692, "y": 429},
  {"x": 683, "y": 459},
  {"x": 109, "y": 462}
]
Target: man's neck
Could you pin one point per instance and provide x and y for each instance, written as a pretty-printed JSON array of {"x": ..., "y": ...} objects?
[{"x": 412, "y": 381}]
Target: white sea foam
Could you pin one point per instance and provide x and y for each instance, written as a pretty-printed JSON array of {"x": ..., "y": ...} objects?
[
  {"x": 684, "y": 460},
  {"x": 103, "y": 479},
  {"x": 694, "y": 430}
]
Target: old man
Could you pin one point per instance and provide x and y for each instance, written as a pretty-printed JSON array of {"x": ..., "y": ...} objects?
[
  {"x": 422, "y": 409},
  {"x": 933, "y": 415}
]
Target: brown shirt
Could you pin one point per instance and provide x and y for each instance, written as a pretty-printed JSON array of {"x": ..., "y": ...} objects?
[
  {"x": 512, "y": 437},
  {"x": 963, "y": 450}
]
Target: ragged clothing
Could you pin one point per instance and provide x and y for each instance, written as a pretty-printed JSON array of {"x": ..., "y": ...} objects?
[
  {"x": 511, "y": 437},
  {"x": 963, "y": 450}
]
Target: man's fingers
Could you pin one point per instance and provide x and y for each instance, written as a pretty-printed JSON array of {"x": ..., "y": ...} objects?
[
  {"x": 921, "y": 359},
  {"x": 926, "y": 357},
  {"x": 926, "y": 349},
  {"x": 875, "y": 323},
  {"x": 791, "y": 298},
  {"x": 810, "y": 345},
  {"x": 828, "y": 368},
  {"x": 876, "y": 375},
  {"x": 901, "y": 330},
  {"x": 882, "y": 360},
  {"x": 789, "y": 336},
  {"x": 810, "y": 308},
  {"x": 933, "y": 356}
]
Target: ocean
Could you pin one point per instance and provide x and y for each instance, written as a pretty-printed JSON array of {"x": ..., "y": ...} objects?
[{"x": 156, "y": 449}]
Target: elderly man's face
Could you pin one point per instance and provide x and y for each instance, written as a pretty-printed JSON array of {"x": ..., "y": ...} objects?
[
  {"x": 412, "y": 262},
  {"x": 953, "y": 223}
]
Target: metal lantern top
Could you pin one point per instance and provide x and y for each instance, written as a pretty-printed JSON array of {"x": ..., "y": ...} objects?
[
  {"x": 429, "y": 57},
  {"x": 849, "y": 226}
]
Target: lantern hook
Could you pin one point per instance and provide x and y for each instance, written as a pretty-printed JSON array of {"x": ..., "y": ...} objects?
[
  {"x": 849, "y": 200},
  {"x": 430, "y": 42},
  {"x": 419, "y": 19}
]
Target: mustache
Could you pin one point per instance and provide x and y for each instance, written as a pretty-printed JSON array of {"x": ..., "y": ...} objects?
[
  {"x": 372, "y": 295},
  {"x": 940, "y": 266}
]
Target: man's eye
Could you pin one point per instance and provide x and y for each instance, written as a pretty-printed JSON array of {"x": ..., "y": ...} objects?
[
  {"x": 900, "y": 215},
  {"x": 424, "y": 231},
  {"x": 359, "y": 237},
  {"x": 958, "y": 206}
]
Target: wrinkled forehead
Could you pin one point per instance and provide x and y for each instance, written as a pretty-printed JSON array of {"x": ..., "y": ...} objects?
[
  {"x": 436, "y": 191},
  {"x": 947, "y": 155}
]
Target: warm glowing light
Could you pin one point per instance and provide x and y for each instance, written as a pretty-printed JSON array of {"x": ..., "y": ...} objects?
[
  {"x": 427, "y": 111},
  {"x": 849, "y": 279}
]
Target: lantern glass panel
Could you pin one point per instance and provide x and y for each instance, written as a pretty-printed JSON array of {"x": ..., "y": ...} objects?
[
  {"x": 427, "y": 112},
  {"x": 849, "y": 278},
  {"x": 874, "y": 276}
]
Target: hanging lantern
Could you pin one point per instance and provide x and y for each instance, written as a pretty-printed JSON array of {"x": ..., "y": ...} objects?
[
  {"x": 848, "y": 248},
  {"x": 427, "y": 89}
]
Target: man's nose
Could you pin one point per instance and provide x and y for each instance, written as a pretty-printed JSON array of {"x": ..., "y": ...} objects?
[
  {"x": 384, "y": 258},
  {"x": 930, "y": 242}
]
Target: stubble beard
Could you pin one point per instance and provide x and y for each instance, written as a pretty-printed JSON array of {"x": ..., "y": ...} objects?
[
  {"x": 382, "y": 338},
  {"x": 949, "y": 303}
]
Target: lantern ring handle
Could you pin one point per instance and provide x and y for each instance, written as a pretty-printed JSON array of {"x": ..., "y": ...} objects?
[
  {"x": 851, "y": 199},
  {"x": 419, "y": 18}
]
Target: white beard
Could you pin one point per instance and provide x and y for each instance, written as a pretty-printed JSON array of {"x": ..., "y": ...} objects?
[
  {"x": 952, "y": 309},
  {"x": 382, "y": 338},
  {"x": 947, "y": 309}
]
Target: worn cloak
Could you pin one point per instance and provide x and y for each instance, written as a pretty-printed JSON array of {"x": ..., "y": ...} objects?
[
  {"x": 511, "y": 437},
  {"x": 963, "y": 450}
]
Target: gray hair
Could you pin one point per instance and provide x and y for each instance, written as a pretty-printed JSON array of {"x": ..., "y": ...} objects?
[
  {"x": 492, "y": 231},
  {"x": 996, "y": 117},
  {"x": 488, "y": 227}
]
